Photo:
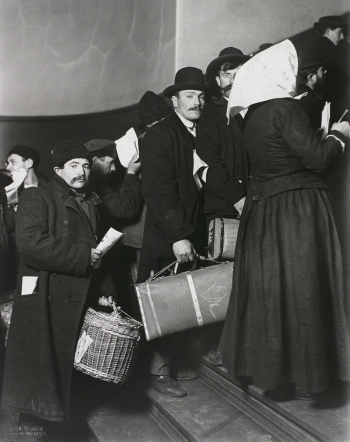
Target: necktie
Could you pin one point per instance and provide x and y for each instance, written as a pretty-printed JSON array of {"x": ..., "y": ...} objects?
[{"x": 192, "y": 129}]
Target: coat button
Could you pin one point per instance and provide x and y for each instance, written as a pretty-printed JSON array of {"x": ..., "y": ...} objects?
[
  {"x": 54, "y": 274},
  {"x": 65, "y": 223},
  {"x": 255, "y": 198},
  {"x": 49, "y": 298},
  {"x": 61, "y": 194}
]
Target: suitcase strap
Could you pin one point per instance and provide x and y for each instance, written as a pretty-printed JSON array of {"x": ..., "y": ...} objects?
[{"x": 195, "y": 300}]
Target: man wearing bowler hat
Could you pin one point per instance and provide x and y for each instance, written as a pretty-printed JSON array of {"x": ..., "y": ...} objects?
[
  {"x": 172, "y": 196},
  {"x": 322, "y": 46},
  {"x": 309, "y": 94},
  {"x": 220, "y": 144}
]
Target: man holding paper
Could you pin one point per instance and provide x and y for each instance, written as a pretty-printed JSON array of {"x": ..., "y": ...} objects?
[
  {"x": 57, "y": 233},
  {"x": 312, "y": 75},
  {"x": 22, "y": 163},
  {"x": 124, "y": 203}
]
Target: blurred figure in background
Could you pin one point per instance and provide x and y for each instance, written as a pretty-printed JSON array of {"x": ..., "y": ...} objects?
[
  {"x": 119, "y": 204},
  {"x": 22, "y": 162},
  {"x": 310, "y": 89},
  {"x": 220, "y": 144},
  {"x": 323, "y": 46}
]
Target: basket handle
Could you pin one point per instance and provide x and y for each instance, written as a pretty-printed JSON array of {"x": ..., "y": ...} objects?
[
  {"x": 176, "y": 265},
  {"x": 117, "y": 309}
]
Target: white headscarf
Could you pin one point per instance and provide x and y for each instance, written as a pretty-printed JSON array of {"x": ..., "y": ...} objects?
[{"x": 270, "y": 74}]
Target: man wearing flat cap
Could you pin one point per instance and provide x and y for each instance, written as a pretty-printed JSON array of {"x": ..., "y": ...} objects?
[
  {"x": 22, "y": 162},
  {"x": 121, "y": 202},
  {"x": 126, "y": 202},
  {"x": 57, "y": 231},
  {"x": 220, "y": 144},
  {"x": 172, "y": 196}
]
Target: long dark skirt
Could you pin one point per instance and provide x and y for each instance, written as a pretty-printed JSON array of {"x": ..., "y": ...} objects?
[{"x": 286, "y": 319}]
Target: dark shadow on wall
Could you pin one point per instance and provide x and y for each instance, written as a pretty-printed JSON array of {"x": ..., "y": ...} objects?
[{"x": 43, "y": 133}]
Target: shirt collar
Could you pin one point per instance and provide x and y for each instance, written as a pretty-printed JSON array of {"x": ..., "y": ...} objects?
[{"x": 187, "y": 123}]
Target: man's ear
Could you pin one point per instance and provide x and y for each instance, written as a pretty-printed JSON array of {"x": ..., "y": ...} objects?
[
  {"x": 29, "y": 163},
  {"x": 311, "y": 78},
  {"x": 94, "y": 159},
  {"x": 217, "y": 80},
  {"x": 58, "y": 170},
  {"x": 174, "y": 100}
]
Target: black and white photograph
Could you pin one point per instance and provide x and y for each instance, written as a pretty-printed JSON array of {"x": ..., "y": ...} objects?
[{"x": 174, "y": 221}]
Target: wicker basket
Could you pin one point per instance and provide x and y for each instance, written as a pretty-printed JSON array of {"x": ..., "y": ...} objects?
[{"x": 108, "y": 346}]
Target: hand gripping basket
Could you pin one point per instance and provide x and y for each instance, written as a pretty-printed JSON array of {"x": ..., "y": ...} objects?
[{"x": 108, "y": 345}]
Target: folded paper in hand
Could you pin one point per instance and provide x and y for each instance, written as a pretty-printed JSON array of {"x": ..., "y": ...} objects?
[
  {"x": 200, "y": 169},
  {"x": 108, "y": 241},
  {"x": 29, "y": 285},
  {"x": 127, "y": 146},
  {"x": 326, "y": 114}
]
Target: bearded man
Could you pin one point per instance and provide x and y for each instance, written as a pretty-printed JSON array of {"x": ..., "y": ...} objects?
[{"x": 310, "y": 90}]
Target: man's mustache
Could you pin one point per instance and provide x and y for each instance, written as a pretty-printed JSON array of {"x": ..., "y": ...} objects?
[
  {"x": 227, "y": 88},
  {"x": 78, "y": 178},
  {"x": 194, "y": 108}
]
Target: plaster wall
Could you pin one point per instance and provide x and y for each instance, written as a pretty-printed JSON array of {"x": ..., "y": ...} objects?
[
  {"x": 205, "y": 27},
  {"x": 68, "y": 57},
  {"x": 62, "y": 57}
]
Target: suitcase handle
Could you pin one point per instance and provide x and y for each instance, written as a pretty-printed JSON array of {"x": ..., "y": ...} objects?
[{"x": 176, "y": 265}]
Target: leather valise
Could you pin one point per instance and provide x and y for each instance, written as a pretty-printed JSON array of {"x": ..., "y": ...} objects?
[
  {"x": 188, "y": 300},
  {"x": 222, "y": 238}
]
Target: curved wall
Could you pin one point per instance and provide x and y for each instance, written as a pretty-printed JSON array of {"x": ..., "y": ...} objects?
[
  {"x": 43, "y": 133},
  {"x": 205, "y": 27},
  {"x": 61, "y": 57}
]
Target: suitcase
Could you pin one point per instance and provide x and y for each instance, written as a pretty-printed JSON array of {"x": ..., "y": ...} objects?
[
  {"x": 188, "y": 300},
  {"x": 222, "y": 238}
]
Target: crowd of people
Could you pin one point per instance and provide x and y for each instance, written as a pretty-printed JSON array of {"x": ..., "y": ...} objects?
[{"x": 262, "y": 143}]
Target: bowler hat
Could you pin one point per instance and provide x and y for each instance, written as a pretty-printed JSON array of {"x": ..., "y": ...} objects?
[
  {"x": 329, "y": 21},
  {"x": 152, "y": 108},
  {"x": 265, "y": 46},
  {"x": 188, "y": 78},
  {"x": 227, "y": 54},
  {"x": 310, "y": 63}
]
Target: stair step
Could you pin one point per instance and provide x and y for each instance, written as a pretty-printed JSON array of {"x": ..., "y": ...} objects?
[
  {"x": 326, "y": 420},
  {"x": 117, "y": 413},
  {"x": 204, "y": 415}
]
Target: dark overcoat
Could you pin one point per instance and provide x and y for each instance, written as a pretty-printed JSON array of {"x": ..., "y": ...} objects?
[
  {"x": 169, "y": 191},
  {"x": 312, "y": 105},
  {"x": 221, "y": 146},
  {"x": 286, "y": 318},
  {"x": 54, "y": 240},
  {"x": 317, "y": 48},
  {"x": 9, "y": 214}
]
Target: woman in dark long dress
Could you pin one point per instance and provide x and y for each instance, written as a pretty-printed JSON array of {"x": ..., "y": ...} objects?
[{"x": 286, "y": 319}]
